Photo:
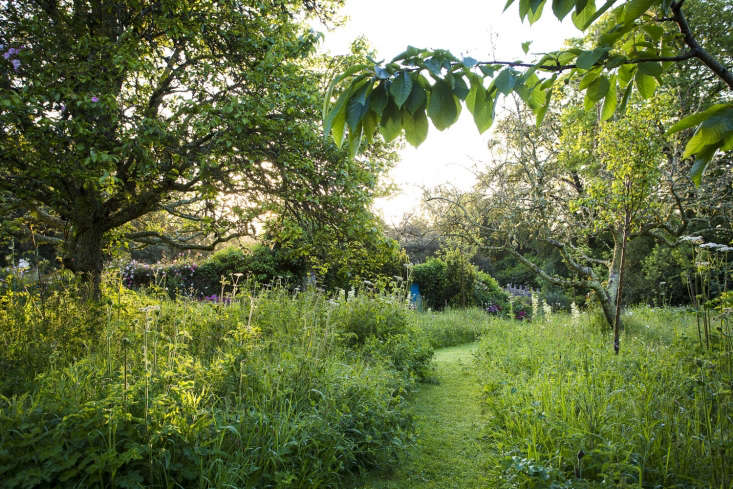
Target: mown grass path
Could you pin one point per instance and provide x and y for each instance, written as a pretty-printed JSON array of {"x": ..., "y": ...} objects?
[{"x": 448, "y": 453}]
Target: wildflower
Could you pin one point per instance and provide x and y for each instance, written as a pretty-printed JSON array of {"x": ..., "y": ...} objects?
[
  {"x": 575, "y": 312},
  {"x": 95, "y": 99},
  {"x": 692, "y": 239},
  {"x": 16, "y": 64},
  {"x": 10, "y": 52}
]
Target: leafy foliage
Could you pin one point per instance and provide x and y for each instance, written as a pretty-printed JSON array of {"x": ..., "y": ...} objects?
[
  {"x": 263, "y": 392},
  {"x": 634, "y": 43},
  {"x": 258, "y": 265},
  {"x": 204, "y": 113},
  {"x": 452, "y": 280}
]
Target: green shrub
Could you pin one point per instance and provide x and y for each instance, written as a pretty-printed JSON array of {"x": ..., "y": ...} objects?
[
  {"x": 431, "y": 277},
  {"x": 451, "y": 280},
  {"x": 487, "y": 292},
  {"x": 381, "y": 326},
  {"x": 259, "y": 265}
]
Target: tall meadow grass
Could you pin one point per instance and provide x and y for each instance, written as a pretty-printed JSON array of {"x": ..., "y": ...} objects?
[
  {"x": 269, "y": 390},
  {"x": 564, "y": 411}
]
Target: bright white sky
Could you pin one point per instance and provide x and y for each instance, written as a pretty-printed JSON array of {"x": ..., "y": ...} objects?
[{"x": 464, "y": 27}]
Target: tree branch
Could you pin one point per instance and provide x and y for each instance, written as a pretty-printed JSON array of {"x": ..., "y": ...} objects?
[
  {"x": 697, "y": 51},
  {"x": 154, "y": 238}
]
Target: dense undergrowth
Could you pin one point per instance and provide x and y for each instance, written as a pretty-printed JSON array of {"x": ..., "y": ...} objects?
[
  {"x": 274, "y": 389},
  {"x": 564, "y": 411},
  {"x": 270, "y": 390}
]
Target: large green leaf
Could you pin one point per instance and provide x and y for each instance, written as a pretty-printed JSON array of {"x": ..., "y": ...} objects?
[
  {"x": 697, "y": 118},
  {"x": 621, "y": 110},
  {"x": 460, "y": 89},
  {"x": 417, "y": 99},
  {"x": 587, "y": 59},
  {"x": 646, "y": 84},
  {"x": 443, "y": 107},
  {"x": 561, "y": 8},
  {"x": 338, "y": 127},
  {"x": 480, "y": 104},
  {"x": 357, "y": 106},
  {"x": 609, "y": 105},
  {"x": 378, "y": 99},
  {"x": 589, "y": 78},
  {"x": 434, "y": 66},
  {"x": 583, "y": 18},
  {"x": 369, "y": 126},
  {"x": 712, "y": 131},
  {"x": 635, "y": 8},
  {"x": 416, "y": 127},
  {"x": 505, "y": 81},
  {"x": 410, "y": 52},
  {"x": 597, "y": 14},
  {"x": 331, "y": 86},
  {"x": 354, "y": 141},
  {"x": 626, "y": 74},
  {"x": 391, "y": 122},
  {"x": 727, "y": 143},
  {"x": 401, "y": 88},
  {"x": 655, "y": 32},
  {"x": 701, "y": 162},
  {"x": 650, "y": 68},
  {"x": 355, "y": 112},
  {"x": 534, "y": 5},
  {"x": 535, "y": 10},
  {"x": 523, "y": 8},
  {"x": 598, "y": 89},
  {"x": 540, "y": 113}
]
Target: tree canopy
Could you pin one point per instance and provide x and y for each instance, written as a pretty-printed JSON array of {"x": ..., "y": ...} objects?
[{"x": 112, "y": 110}]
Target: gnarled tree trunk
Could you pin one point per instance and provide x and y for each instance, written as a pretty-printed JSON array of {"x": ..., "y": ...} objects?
[{"x": 83, "y": 255}]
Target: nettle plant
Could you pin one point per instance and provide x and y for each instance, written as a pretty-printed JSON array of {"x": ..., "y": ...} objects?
[{"x": 633, "y": 44}]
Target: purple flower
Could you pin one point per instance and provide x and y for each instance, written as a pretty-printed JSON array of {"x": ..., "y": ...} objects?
[
  {"x": 95, "y": 99},
  {"x": 7, "y": 54},
  {"x": 16, "y": 64}
]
